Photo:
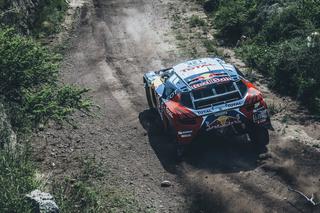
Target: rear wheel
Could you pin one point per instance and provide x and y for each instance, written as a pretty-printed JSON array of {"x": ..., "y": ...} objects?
[
  {"x": 148, "y": 95},
  {"x": 259, "y": 136}
]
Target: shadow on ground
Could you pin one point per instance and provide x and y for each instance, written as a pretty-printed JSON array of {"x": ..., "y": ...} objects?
[{"x": 211, "y": 153}]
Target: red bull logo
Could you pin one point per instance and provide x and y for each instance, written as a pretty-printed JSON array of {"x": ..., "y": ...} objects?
[{"x": 223, "y": 121}]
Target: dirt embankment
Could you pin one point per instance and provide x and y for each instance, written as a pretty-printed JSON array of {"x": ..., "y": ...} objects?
[{"x": 114, "y": 44}]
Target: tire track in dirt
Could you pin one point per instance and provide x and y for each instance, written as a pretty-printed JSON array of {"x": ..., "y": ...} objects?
[{"x": 110, "y": 55}]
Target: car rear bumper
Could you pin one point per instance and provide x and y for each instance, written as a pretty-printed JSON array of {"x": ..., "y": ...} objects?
[{"x": 187, "y": 136}]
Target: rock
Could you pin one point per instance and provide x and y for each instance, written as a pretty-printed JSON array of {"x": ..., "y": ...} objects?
[
  {"x": 43, "y": 202},
  {"x": 41, "y": 127},
  {"x": 166, "y": 183}
]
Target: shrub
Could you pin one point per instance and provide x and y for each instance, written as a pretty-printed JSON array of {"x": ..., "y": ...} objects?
[
  {"x": 196, "y": 21},
  {"x": 40, "y": 18},
  {"x": 231, "y": 18},
  {"x": 211, "y": 5},
  {"x": 286, "y": 24},
  {"x": 277, "y": 43},
  {"x": 29, "y": 83},
  {"x": 51, "y": 13},
  {"x": 292, "y": 66},
  {"x": 55, "y": 103},
  {"x": 24, "y": 64}
]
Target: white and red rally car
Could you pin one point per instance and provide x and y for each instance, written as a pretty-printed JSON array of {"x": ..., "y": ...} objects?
[{"x": 207, "y": 96}]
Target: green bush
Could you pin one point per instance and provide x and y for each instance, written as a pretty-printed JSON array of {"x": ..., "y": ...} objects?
[
  {"x": 292, "y": 66},
  {"x": 39, "y": 19},
  {"x": 54, "y": 103},
  {"x": 276, "y": 43},
  {"x": 51, "y": 13},
  {"x": 210, "y": 5},
  {"x": 24, "y": 64},
  {"x": 29, "y": 83},
  {"x": 196, "y": 21},
  {"x": 231, "y": 19},
  {"x": 288, "y": 23}
]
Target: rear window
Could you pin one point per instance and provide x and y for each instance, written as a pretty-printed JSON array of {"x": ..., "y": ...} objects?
[
  {"x": 216, "y": 94},
  {"x": 212, "y": 90}
]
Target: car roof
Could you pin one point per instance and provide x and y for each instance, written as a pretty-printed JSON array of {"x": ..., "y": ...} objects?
[{"x": 194, "y": 68}]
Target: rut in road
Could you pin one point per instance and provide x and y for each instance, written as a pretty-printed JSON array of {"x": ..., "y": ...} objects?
[{"x": 116, "y": 42}]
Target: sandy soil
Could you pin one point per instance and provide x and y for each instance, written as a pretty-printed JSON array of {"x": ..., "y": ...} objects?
[{"x": 116, "y": 42}]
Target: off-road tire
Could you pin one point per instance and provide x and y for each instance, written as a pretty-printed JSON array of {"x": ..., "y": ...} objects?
[
  {"x": 259, "y": 137},
  {"x": 149, "y": 98}
]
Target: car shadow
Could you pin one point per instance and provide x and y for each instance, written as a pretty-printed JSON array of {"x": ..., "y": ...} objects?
[
  {"x": 161, "y": 143},
  {"x": 223, "y": 154},
  {"x": 212, "y": 153}
]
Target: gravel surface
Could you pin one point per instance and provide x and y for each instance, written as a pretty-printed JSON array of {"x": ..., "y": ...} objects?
[{"x": 116, "y": 42}]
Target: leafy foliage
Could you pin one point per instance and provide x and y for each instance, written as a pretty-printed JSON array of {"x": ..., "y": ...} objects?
[
  {"x": 196, "y": 21},
  {"x": 29, "y": 83},
  {"x": 24, "y": 64},
  {"x": 51, "y": 13},
  {"x": 56, "y": 103},
  {"x": 40, "y": 19},
  {"x": 231, "y": 19},
  {"x": 276, "y": 43}
]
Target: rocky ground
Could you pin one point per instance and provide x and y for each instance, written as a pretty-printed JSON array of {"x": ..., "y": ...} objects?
[{"x": 114, "y": 44}]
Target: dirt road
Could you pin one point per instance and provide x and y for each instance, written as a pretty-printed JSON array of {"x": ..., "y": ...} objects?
[{"x": 114, "y": 44}]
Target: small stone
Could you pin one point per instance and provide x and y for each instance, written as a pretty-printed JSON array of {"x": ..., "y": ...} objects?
[
  {"x": 41, "y": 127},
  {"x": 166, "y": 183},
  {"x": 42, "y": 201}
]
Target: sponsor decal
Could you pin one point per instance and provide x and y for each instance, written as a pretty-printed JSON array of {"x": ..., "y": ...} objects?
[
  {"x": 197, "y": 67},
  {"x": 204, "y": 111},
  {"x": 234, "y": 104},
  {"x": 260, "y": 116},
  {"x": 185, "y": 134},
  {"x": 223, "y": 121},
  {"x": 172, "y": 94},
  {"x": 211, "y": 81}
]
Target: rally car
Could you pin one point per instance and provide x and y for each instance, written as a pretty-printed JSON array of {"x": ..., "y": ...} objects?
[{"x": 207, "y": 96}]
